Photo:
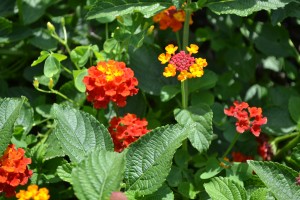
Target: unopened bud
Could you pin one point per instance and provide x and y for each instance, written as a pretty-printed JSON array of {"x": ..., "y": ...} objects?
[
  {"x": 50, "y": 27},
  {"x": 36, "y": 83},
  {"x": 50, "y": 84},
  {"x": 150, "y": 30},
  {"x": 63, "y": 21}
]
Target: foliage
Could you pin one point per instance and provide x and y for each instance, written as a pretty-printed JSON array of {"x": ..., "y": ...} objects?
[{"x": 190, "y": 151}]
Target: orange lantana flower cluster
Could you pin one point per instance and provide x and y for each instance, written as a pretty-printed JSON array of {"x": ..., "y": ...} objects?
[
  {"x": 13, "y": 170},
  {"x": 126, "y": 130},
  {"x": 172, "y": 18},
  {"x": 185, "y": 63},
  {"x": 110, "y": 81},
  {"x": 251, "y": 120},
  {"x": 33, "y": 193}
]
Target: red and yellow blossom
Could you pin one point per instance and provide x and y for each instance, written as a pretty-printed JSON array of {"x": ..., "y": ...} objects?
[
  {"x": 172, "y": 18},
  {"x": 126, "y": 130},
  {"x": 33, "y": 193},
  {"x": 251, "y": 120},
  {"x": 110, "y": 81},
  {"x": 13, "y": 170},
  {"x": 185, "y": 63}
]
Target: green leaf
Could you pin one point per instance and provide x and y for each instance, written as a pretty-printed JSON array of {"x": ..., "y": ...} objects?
[
  {"x": 31, "y": 10},
  {"x": 245, "y": 7},
  {"x": 65, "y": 171},
  {"x": 212, "y": 168},
  {"x": 60, "y": 57},
  {"x": 149, "y": 159},
  {"x": 41, "y": 58},
  {"x": 201, "y": 134},
  {"x": 207, "y": 81},
  {"x": 5, "y": 26},
  {"x": 296, "y": 154},
  {"x": 294, "y": 104},
  {"x": 51, "y": 67},
  {"x": 9, "y": 113},
  {"x": 168, "y": 92},
  {"x": 279, "y": 178},
  {"x": 71, "y": 92},
  {"x": 290, "y": 10},
  {"x": 43, "y": 40},
  {"x": 81, "y": 54},
  {"x": 259, "y": 194},
  {"x": 98, "y": 175},
  {"x": 25, "y": 119},
  {"x": 163, "y": 193},
  {"x": 78, "y": 79},
  {"x": 114, "y": 8},
  {"x": 54, "y": 148},
  {"x": 79, "y": 132},
  {"x": 225, "y": 188},
  {"x": 187, "y": 190},
  {"x": 110, "y": 45}
]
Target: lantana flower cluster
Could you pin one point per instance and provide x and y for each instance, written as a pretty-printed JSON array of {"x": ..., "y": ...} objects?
[
  {"x": 33, "y": 193},
  {"x": 264, "y": 148},
  {"x": 13, "y": 170},
  {"x": 172, "y": 18},
  {"x": 248, "y": 118},
  {"x": 185, "y": 63},
  {"x": 110, "y": 81},
  {"x": 240, "y": 157},
  {"x": 126, "y": 130}
]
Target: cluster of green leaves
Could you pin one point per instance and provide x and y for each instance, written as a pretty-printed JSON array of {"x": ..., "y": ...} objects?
[{"x": 251, "y": 48}]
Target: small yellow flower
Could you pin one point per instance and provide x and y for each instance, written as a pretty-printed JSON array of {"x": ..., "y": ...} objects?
[
  {"x": 184, "y": 75},
  {"x": 164, "y": 58},
  {"x": 170, "y": 70},
  {"x": 202, "y": 62},
  {"x": 171, "y": 49},
  {"x": 196, "y": 70},
  {"x": 33, "y": 192},
  {"x": 192, "y": 49}
]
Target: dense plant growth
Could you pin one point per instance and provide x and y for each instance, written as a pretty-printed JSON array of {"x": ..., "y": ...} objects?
[{"x": 140, "y": 99}]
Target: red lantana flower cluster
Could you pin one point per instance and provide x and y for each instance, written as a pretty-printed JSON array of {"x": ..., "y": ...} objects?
[
  {"x": 172, "y": 18},
  {"x": 248, "y": 118},
  {"x": 264, "y": 148},
  {"x": 13, "y": 170},
  {"x": 110, "y": 81},
  {"x": 126, "y": 130},
  {"x": 239, "y": 157}
]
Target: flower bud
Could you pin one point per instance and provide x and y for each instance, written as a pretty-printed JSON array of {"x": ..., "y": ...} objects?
[
  {"x": 50, "y": 27},
  {"x": 50, "y": 84},
  {"x": 36, "y": 83},
  {"x": 150, "y": 30}
]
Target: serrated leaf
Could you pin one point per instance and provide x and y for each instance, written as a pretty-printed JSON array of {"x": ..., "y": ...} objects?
[
  {"x": 163, "y": 193},
  {"x": 294, "y": 104},
  {"x": 51, "y": 67},
  {"x": 54, "y": 148},
  {"x": 149, "y": 160},
  {"x": 79, "y": 132},
  {"x": 201, "y": 134},
  {"x": 25, "y": 119},
  {"x": 9, "y": 112},
  {"x": 78, "y": 79},
  {"x": 114, "y": 8},
  {"x": 259, "y": 194},
  {"x": 245, "y": 7},
  {"x": 65, "y": 171},
  {"x": 41, "y": 58},
  {"x": 225, "y": 188},
  {"x": 98, "y": 175},
  {"x": 278, "y": 178}
]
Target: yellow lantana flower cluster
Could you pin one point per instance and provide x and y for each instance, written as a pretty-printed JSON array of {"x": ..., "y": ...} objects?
[
  {"x": 185, "y": 63},
  {"x": 33, "y": 193}
]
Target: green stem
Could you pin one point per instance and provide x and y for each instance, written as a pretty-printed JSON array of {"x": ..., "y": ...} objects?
[
  {"x": 178, "y": 40},
  {"x": 287, "y": 147},
  {"x": 58, "y": 93},
  {"x": 284, "y": 137},
  {"x": 106, "y": 31},
  {"x": 184, "y": 94},
  {"x": 231, "y": 145}
]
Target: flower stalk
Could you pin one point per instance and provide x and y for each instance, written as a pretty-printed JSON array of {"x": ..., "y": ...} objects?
[{"x": 236, "y": 137}]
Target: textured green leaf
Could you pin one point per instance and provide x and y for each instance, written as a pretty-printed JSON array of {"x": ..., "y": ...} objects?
[
  {"x": 225, "y": 188},
  {"x": 98, "y": 175},
  {"x": 78, "y": 79},
  {"x": 51, "y": 67},
  {"x": 149, "y": 160},
  {"x": 294, "y": 104},
  {"x": 201, "y": 134},
  {"x": 296, "y": 154},
  {"x": 278, "y": 178},
  {"x": 79, "y": 132},
  {"x": 65, "y": 171},
  {"x": 163, "y": 193},
  {"x": 259, "y": 194},
  {"x": 54, "y": 148},
  {"x": 245, "y": 7},
  {"x": 9, "y": 112},
  {"x": 114, "y": 8},
  {"x": 25, "y": 119}
]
